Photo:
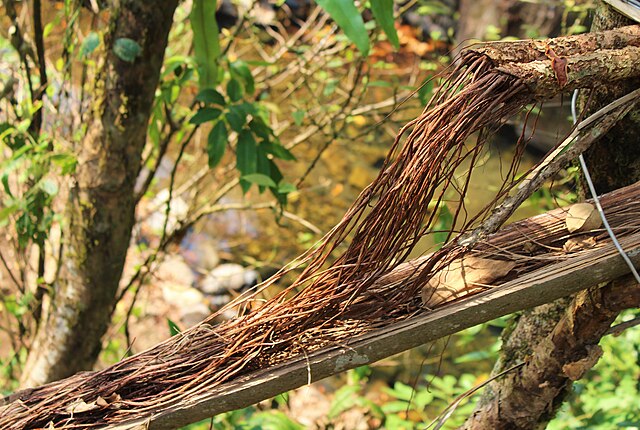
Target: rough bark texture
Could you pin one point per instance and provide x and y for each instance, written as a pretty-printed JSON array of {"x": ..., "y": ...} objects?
[
  {"x": 616, "y": 158},
  {"x": 100, "y": 210},
  {"x": 558, "y": 345},
  {"x": 529, "y": 397}
]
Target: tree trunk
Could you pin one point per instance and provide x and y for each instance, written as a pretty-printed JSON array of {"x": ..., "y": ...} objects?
[
  {"x": 559, "y": 342},
  {"x": 100, "y": 209}
]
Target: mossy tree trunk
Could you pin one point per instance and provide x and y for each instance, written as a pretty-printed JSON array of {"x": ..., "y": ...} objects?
[
  {"x": 558, "y": 342},
  {"x": 100, "y": 209}
]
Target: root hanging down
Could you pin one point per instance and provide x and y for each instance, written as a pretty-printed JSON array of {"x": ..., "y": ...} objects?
[{"x": 328, "y": 303}]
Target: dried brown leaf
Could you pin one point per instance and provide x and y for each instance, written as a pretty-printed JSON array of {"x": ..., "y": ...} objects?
[
  {"x": 582, "y": 217},
  {"x": 463, "y": 276}
]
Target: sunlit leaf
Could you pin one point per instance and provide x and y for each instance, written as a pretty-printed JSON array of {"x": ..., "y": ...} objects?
[
  {"x": 173, "y": 328},
  {"x": 286, "y": 188},
  {"x": 206, "y": 45},
  {"x": 383, "y": 13},
  {"x": 298, "y": 116},
  {"x": 347, "y": 16},
  {"x": 260, "y": 179},
  {"x": 48, "y": 186}
]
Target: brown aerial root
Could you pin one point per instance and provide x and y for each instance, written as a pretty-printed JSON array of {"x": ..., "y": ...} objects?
[{"x": 329, "y": 302}]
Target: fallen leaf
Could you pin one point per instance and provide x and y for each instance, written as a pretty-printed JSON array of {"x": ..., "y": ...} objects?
[
  {"x": 582, "y": 217},
  {"x": 80, "y": 406},
  {"x": 462, "y": 277},
  {"x": 577, "y": 369},
  {"x": 579, "y": 243},
  {"x": 559, "y": 66}
]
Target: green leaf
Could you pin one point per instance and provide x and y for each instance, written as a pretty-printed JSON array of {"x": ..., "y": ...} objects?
[
  {"x": 383, "y": 13},
  {"x": 260, "y": 179},
  {"x": 234, "y": 90},
  {"x": 261, "y": 129},
  {"x": 298, "y": 116},
  {"x": 211, "y": 96},
  {"x": 425, "y": 91},
  {"x": 206, "y": 45},
  {"x": 246, "y": 157},
  {"x": 48, "y": 186},
  {"x": 89, "y": 44},
  {"x": 344, "y": 398},
  {"x": 347, "y": 16},
  {"x": 279, "y": 151},
  {"x": 286, "y": 188},
  {"x": 239, "y": 69},
  {"x": 173, "y": 328},
  {"x": 126, "y": 49},
  {"x": 204, "y": 115},
  {"x": 217, "y": 143},
  {"x": 5, "y": 184},
  {"x": 237, "y": 117}
]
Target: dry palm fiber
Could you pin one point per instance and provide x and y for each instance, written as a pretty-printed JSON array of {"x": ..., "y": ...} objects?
[{"x": 334, "y": 302}]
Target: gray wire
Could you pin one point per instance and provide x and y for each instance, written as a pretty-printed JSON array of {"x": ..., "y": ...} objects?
[{"x": 596, "y": 200}]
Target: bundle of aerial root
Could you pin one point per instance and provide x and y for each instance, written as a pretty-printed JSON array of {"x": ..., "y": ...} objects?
[{"x": 332, "y": 301}]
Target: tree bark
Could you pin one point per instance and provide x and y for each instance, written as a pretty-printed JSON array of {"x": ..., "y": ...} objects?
[
  {"x": 559, "y": 342},
  {"x": 100, "y": 209}
]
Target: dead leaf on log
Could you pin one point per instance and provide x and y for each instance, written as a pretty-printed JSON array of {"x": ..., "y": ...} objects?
[
  {"x": 113, "y": 401},
  {"x": 559, "y": 66},
  {"x": 577, "y": 369},
  {"x": 80, "y": 406},
  {"x": 579, "y": 243},
  {"x": 582, "y": 217},
  {"x": 462, "y": 277}
]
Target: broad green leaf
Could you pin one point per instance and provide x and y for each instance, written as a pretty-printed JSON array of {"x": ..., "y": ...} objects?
[
  {"x": 298, "y": 116},
  {"x": 246, "y": 157},
  {"x": 261, "y": 129},
  {"x": 240, "y": 70},
  {"x": 347, "y": 16},
  {"x": 211, "y": 96},
  {"x": 286, "y": 188},
  {"x": 204, "y": 115},
  {"x": 236, "y": 117},
  {"x": 260, "y": 179},
  {"x": 89, "y": 44},
  {"x": 383, "y": 13},
  {"x": 217, "y": 143},
  {"x": 425, "y": 91},
  {"x": 126, "y": 49},
  {"x": 5, "y": 184},
  {"x": 206, "y": 45},
  {"x": 48, "y": 186},
  {"x": 234, "y": 90},
  {"x": 279, "y": 151},
  {"x": 173, "y": 328},
  {"x": 344, "y": 398}
]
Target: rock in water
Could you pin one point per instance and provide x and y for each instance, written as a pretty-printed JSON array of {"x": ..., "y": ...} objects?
[{"x": 228, "y": 277}]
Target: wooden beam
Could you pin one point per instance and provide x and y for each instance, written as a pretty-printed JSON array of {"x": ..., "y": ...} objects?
[{"x": 543, "y": 285}]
